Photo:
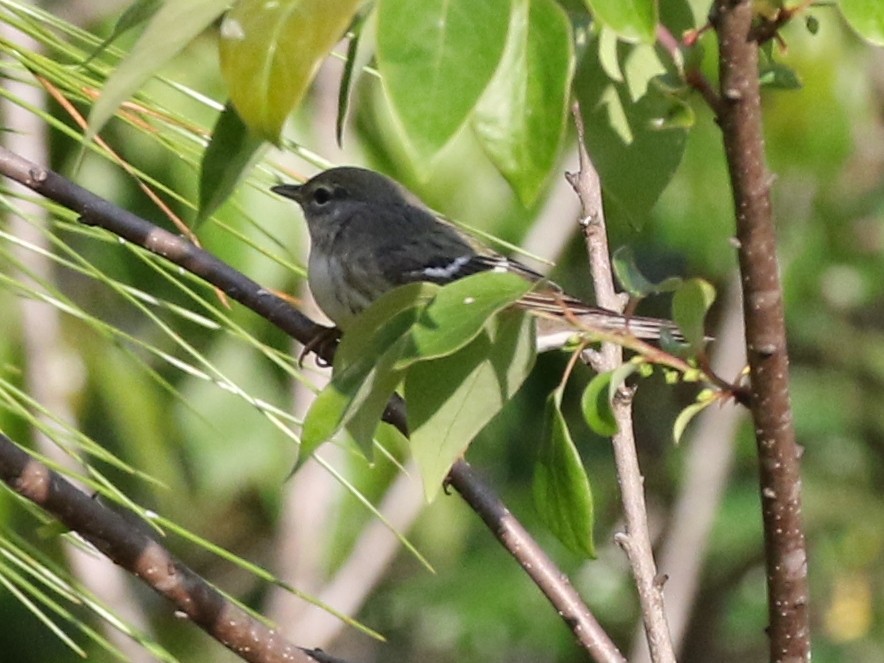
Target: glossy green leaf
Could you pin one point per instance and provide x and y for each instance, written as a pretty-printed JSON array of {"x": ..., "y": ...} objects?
[
  {"x": 436, "y": 58},
  {"x": 561, "y": 487},
  {"x": 170, "y": 29},
  {"x": 520, "y": 120},
  {"x": 689, "y": 306},
  {"x": 458, "y": 312},
  {"x": 228, "y": 159},
  {"x": 452, "y": 398},
  {"x": 632, "y": 20},
  {"x": 866, "y": 17},
  {"x": 635, "y": 145},
  {"x": 597, "y": 399},
  {"x": 270, "y": 52}
]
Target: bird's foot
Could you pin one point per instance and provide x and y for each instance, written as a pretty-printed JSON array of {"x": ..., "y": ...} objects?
[{"x": 323, "y": 345}]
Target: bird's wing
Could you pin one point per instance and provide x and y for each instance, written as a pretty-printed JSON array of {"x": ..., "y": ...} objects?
[{"x": 450, "y": 256}]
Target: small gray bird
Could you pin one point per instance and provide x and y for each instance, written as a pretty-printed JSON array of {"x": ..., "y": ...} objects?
[{"x": 369, "y": 234}]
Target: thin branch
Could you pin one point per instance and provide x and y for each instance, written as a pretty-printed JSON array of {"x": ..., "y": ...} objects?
[
  {"x": 636, "y": 540},
  {"x": 778, "y": 453},
  {"x": 99, "y": 212},
  {"x": 697, "y": 80},
  {"x": 693, "y": 75},
  {"x": 709, "y": 453},
  {"x": 535, "y": 562},
  {"x": 132, "y": 548}
]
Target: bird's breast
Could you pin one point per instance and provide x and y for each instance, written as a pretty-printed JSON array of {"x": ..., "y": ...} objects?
[{"x": 328, "y": 284}]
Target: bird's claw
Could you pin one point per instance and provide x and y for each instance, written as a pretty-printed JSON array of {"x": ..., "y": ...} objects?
[{"x": 323, "y": 345}]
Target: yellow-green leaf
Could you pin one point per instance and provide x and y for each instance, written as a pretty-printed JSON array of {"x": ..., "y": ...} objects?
[
  {"x": 270, "y": 52},
  {"x": 689, "y": 306},
  {"x": 866, "y": 17}
]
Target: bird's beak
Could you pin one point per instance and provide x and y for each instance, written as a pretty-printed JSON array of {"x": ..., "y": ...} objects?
[{"x": 292, "y": 191}]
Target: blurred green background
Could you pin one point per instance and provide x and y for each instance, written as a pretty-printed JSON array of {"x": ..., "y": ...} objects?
[{"x": 224, "y": 464}]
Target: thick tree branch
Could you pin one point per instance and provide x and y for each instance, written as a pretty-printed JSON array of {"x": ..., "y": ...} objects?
[
  {"x": 99, "y": 212},
  {"x": 778, "y": 453},
  {"x": 138, "y": 553},
  {"x": 636, "y": 540}
]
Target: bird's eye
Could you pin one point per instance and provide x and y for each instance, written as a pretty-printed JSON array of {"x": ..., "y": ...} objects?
[{"x": 322, "y": 195}]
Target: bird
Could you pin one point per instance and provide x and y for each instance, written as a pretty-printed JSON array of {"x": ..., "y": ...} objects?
[{"x": 370, "y": 234}]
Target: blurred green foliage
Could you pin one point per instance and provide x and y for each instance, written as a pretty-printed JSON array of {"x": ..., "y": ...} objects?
[{"x": 224, "y": 463}]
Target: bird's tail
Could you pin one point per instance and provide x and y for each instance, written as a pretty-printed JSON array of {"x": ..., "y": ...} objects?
[{"x": 564, "y": 315}]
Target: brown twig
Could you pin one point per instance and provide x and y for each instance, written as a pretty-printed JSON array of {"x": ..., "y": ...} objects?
[
  {"x": 697, "y": 80},
  {"x": 636, "y": 540},
  {"x": 134, "y": 550},
  {"x": 778, "y": 453},
  {"x": 480, "y": 497},
  {"x": 536, "y": 563}
]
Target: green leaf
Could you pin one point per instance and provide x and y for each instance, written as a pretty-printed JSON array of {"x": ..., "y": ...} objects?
[
  {"x": 520, "y": 120},
  {"x": 458, "y": 312},
  {"x": 374, "y": 394},
  {"x": 866, "y": 17},
  {"x": 635, "y": 145},
  {"x": 686, "y": 416},
  {"x": 689, "y": 306},
  {"x": 366, "y": 336},
  {"x": 364, "y": 376},
  {"x": 436, "y": 58},
  {"x": 452, "y": 398},
  {"x": 356, "y": 394},
  {"x": 779, "y": 76},
  {"x": 172, "y": 28},
  {"x": 359, "y": 54},
  {"x": 609, "y": 60},
  {"x": 270, "y": 52},
  {"x": 598, "y": 397},
  {"x": 640, "y": 66},
  {"x": 137, "y": 13},
  {"x": 228, "y": 159},
  {"x": 632, "y": 20},
  {"x": 561, "y": 487},
  {"x": 596, "y": 406},
  {"x": 633, "y": 281}
]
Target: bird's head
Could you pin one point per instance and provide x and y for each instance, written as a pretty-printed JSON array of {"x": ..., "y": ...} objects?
[{"x": 338, "y": 191}]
